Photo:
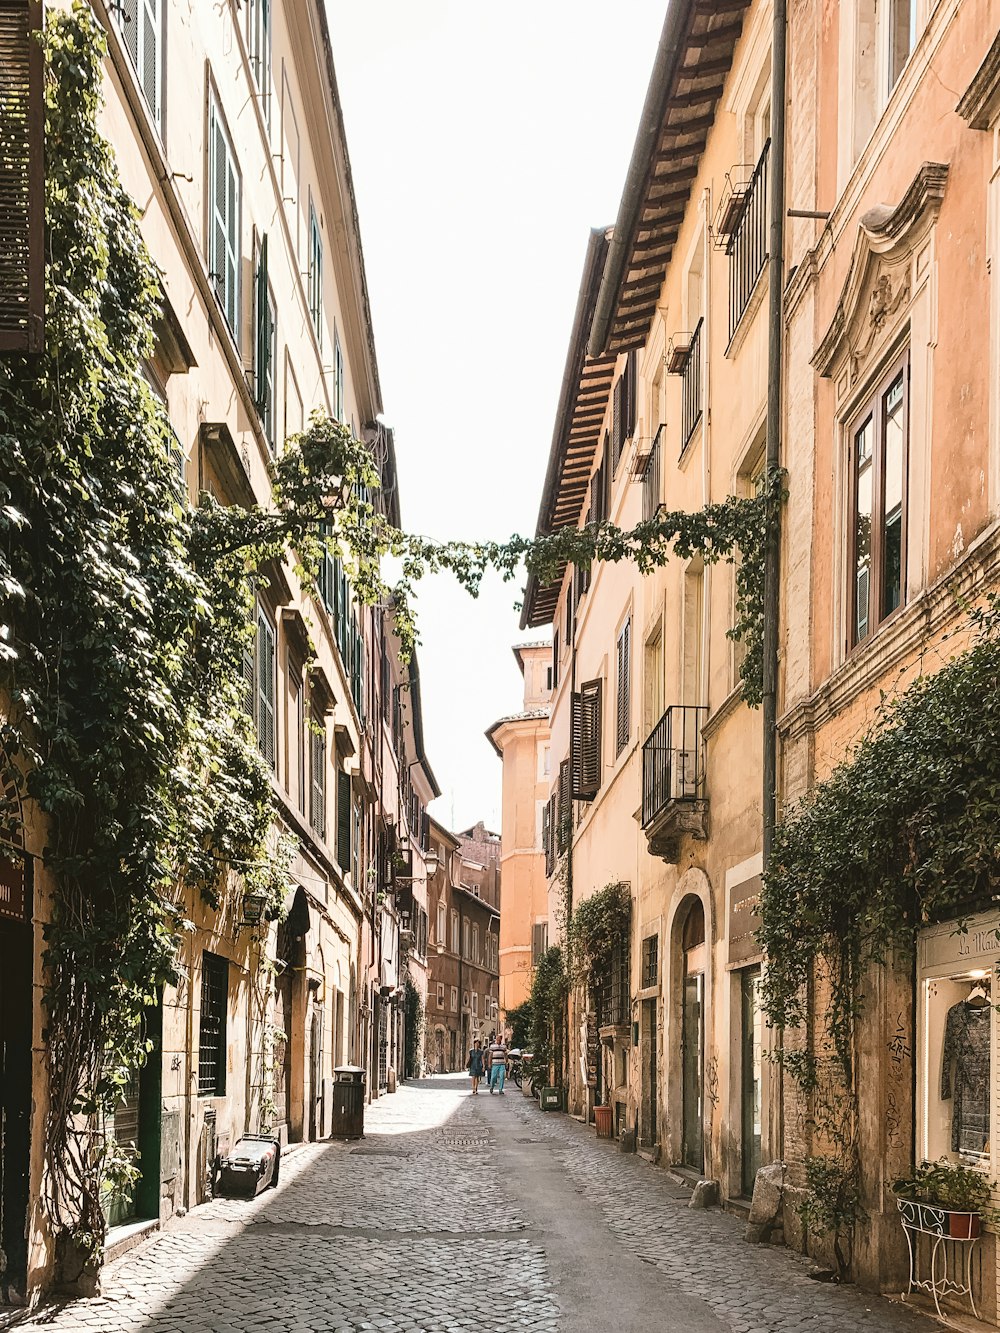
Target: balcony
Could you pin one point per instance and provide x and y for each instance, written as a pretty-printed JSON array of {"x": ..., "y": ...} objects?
[
  {"x": 673, "y": 780},
  {"x": 747, "y": 242}
]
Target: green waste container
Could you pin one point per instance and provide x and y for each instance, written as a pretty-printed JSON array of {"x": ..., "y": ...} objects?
[
  {"x": 551, "y": 1099},
  {"x": 348, "y": 1103}
]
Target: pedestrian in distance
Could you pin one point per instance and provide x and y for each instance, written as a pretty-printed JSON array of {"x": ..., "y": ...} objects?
[
  {"x": 476, "y": 1065},
  {"x": 498, "y": 1065}
]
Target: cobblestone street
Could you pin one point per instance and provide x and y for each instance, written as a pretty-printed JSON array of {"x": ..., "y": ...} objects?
[{"x": 456, "y": 1213}]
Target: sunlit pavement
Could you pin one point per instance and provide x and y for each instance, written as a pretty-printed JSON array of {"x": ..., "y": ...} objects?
[{"x": 459, "y": 1213}]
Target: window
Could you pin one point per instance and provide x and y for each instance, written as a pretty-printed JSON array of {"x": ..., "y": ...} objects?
[
  {"x": 317, "y": 776},
  {"x": 140, "y": 23},
  {"x": 454, "y": 999},
  {"x": 442, "y": 924},
  {"x": 465, "y": 1002},
  {"x": 440, "y": 994},
  {"x": 212, "y": 1026},
  {"x": 623, "y": 703},
  {"x": 539, "y": 941},
  {"x": 586, "y": 741},
  {"x": 897, "y": 37},
  {"x": 651, "y": 961},
  {"x": 465, "y": 940},
  {"x": 475, "y": 1004},
  {"x": 265, "y": 687},
  {"x": 339, "y": 397},
  {"x": 265, "y": 321},
  {"x": 692, "y": 632},
  {"x": 455, "y": 937},
  {"x": 475, "y": 943},
  {"x": 877, "y": 527},
  {"x": 623, "y": 411},
  {"x": 297, "y": 741},
  {"x": 555, "y": 659},
  {"x": 345, "y": 820},
  {"x": 564, "y": 809},
  {"x": 224, "y": 203},
  {"x": 259, "y": 43},
  {"x": 315, "y": 275}
]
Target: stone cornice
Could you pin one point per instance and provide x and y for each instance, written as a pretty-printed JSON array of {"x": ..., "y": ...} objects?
[
  {"x": 980, "y": 103},
  {"x": 891, "y": 233}
]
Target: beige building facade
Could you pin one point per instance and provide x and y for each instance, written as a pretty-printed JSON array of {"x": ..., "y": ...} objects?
[
  {"x": 523, "y": 744},
  {"x": 239, "y": 164}
]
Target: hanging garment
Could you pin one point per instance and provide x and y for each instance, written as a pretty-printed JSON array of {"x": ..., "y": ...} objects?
[{"x": 967, "y": 1048}]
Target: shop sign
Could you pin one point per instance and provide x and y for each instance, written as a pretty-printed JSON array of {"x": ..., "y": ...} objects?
[
  {"x": 972, "y": 941},
  {"x": 14, "y": 904},
  {"x": 744, "y": 921}
]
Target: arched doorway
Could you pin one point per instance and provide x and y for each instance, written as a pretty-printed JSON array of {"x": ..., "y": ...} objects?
[{"x": 691, "y": 917}]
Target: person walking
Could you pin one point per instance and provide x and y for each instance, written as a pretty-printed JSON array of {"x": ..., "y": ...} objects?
[
  {"x": 498, "y": 1065},
  {"x": 476, "y": 1065}
]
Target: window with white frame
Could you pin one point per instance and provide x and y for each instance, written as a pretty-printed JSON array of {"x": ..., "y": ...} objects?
[
  {"x": 440, "y": 994},
  {"x": 140, "y": 23},
  {"x": 224, "y": 204},
  {"x": 896, "y": 22},
  {"x": 475, "y": 943},
  {"x": 259, "y": 45},
  {"x": 475, "y": 1004},
  {"x": 442, "y": 924},
  {"x": 456, "y": 940},
  {"x": 454, "y": 999},
  {"x": 315, "y": 274},
  {"x": 265, "y": 687}
]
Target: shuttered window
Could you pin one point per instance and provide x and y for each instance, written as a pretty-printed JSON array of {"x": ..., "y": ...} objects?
[
  {"x": 259, "y": 44},
  {"x": 224, "y": 202},
  {"x": 265, "y": 687},
  {"x": 555, "y": 659},
  {"x": 344, "y": 820},
  {"x": 247, "y": 681},
  {"x": 140, "y": 23},
  {"x": 586, "y": 741},
  {"x": 623, "y": 711},
  {"x": 22, "y": 178},
  {"x": 539, "y": 941},
  {"x": 317, "y": 777},
  {"x": 265, "y": 321},
  {"x": 212, "y": 1026},
  {"x": 339, "y": 392},
  {"x": 564, "y": 826},
  {"x": 623, "y": 406},
  {"x": 315, "y": 276}
]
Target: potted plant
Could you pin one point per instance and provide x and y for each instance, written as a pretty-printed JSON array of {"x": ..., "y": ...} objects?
[{"x": 962, "y": 1193}]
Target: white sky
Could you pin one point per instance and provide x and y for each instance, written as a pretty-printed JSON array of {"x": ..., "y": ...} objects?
[{"x": 485, "y": 142}]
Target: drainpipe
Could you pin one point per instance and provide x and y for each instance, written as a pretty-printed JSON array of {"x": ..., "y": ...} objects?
[
  {"x": 706, "y": 442},
  {"x": 769, "y": 701}
]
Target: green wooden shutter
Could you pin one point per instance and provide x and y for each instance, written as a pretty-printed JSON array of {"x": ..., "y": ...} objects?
[
  {"x": 624, "y": 687},
  {"x": 22, "y": 178},
  {"x": 317, "y": 779},
  {"x": 344, "y": 820},
  {"x": 224, "y": 224},
  {"x": 262, "y": 351},
  {"x": 246, "y": 682}
]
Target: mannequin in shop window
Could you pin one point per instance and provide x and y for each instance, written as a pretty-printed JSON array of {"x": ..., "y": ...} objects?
[{"x": 965, "y": 1071}]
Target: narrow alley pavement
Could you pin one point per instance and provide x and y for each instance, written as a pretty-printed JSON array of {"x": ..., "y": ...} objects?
[{"x": 456, "y": 1213}]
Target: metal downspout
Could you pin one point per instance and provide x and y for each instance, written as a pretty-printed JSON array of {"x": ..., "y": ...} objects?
[{"x": 772, "y": 567}]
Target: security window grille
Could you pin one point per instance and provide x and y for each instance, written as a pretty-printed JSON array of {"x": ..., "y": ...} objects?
[
  {"x": 259, "y": 43},
  {"x": 315, "y": 278},
  {"x": 345, "y": 817},
  {"x": 265, "y": 321},
  {"x": 22, "y": 178},
  {"x": 317, "y": 777},
  {"x": 539, "y": 941},
  {"x": 879, "y": 441},
  {"x": 265, "y": 687},
  {"x": 224, "y": 194},
  {"x": 586, "y": 740},
  {"x": 611, "y": 989},
  {"x": 651, "y": 960},
  {"x": 212, "y": 1026},
  {"x": 140, "y": 24},
  {"x": 623, "y": 703}
]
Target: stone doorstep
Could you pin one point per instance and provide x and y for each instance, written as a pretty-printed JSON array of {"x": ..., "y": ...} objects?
[{"x": 120, "y": 1240}]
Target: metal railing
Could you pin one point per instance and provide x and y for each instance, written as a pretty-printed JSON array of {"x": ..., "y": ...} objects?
[
  {"x": 747, "y": 248},
  {"x": 673, "y": 763},
  {"x": 651, "y": 477},
  {"x": 691, "y": 403}
]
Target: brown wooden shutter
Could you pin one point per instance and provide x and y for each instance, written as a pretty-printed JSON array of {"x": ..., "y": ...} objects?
[
  {"x": 565, "y": 815},
  {"x": 586, "y": 740},
  {"x": 547, "y": 836},
  {"x": 344, "y": 820},
  {"x": 630, "y": 397},
  {"x": 22, "y": 178},
  {"x": 617, "y": 423}
]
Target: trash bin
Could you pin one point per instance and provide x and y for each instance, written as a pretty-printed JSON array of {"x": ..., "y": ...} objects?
[
  {"x": 252, "y": 1166},
  {"x": 551, "y": 1099},
  {"x": 602, "y": 1119},
  {"x": 348, "y": 1103}
]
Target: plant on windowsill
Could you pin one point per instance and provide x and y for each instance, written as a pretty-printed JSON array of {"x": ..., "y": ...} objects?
[{"x": 960, "y": 1194}]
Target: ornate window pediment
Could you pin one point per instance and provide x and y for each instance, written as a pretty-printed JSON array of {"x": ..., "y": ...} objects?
[{"x": 890, "y": 260}]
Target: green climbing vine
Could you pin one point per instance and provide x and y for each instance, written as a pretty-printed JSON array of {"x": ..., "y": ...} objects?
[
  {"x": 598, "y": 928},
  {"x": 901, "y": 835},
  {"x": 126, "y": 614}
]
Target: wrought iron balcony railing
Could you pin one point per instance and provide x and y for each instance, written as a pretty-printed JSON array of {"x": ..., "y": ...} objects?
[
  {"x": 747, "y": 246},
  {"x": 673, "y": 764},
  {"x": 691, "y": 387}
]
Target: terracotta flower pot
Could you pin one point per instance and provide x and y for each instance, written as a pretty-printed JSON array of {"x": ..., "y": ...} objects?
[{"x": 964, "y": 1226}]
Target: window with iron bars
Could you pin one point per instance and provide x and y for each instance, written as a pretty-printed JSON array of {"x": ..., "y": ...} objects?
[
  {"x": 651, "y": 961},
  {"x": 612, "y": 998}
]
